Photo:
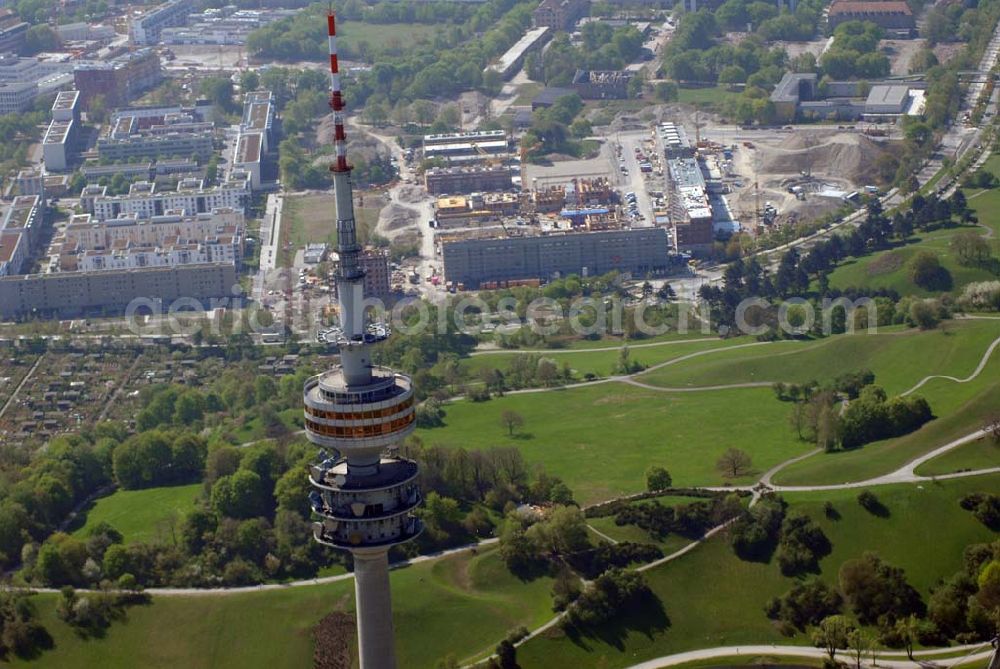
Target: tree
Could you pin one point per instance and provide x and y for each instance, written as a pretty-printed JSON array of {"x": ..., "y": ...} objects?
[
  {"x": 657, "y": 478},
  {"x": 240, "y": 495},
  {"x": 908, "y": 629},
  {"x": 665, "y": 91},
  {"x": 860, "y": 643},
  {"x": 219, "y": 91},
  {"x": 40, "y": 38},
  {"x": 926, "y": 271},
  {"x": 249, "y": 81},
  {"x": 511, "y": 420},
  {"x": 971, "y": 248},
  {"x": 734, "y": 463},
  {"x": 507, "y": 655},
  {"x": 831, "y": 634}
]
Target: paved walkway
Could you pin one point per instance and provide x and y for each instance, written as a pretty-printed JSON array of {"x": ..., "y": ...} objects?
[{"x": 891, "y": 660}]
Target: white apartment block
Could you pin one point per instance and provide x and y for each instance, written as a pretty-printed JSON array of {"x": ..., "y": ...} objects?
[{"x": 144, "y": 201}]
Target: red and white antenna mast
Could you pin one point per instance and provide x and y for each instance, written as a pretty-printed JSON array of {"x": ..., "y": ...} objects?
[{"x": 336, "y": 100}]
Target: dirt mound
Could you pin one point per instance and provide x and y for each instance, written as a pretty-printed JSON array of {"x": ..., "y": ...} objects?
[
  {"x": 334, "y": 636},
  {"x": 845, "y": 155},
  {"x": 410, "y": 194},
  {"x": 395, "y": 217}
]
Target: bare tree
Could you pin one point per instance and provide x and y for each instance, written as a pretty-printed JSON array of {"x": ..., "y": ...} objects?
[
  {"x": 734, "y": 463},
  {"x": 512, "y": 421}
]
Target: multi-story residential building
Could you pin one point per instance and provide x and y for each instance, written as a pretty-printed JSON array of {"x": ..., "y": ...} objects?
[
  {"x": 559, "y": 14},
  {"x": 145, "y": 201},
  {"x": 146, "y": 30},
  {"x": 119, "y": 79},
  {"x": 66, "y": 106},
  {"x": 375, "y": 263},
  {"x": 25, "y": 215},
  {"x": 89, "y": 234},
  {"x": 177, "y": 135},
  {"x": 637, "y": 251},
  {"x": 59, "y": 144},
  {"x": 13, "y": 251},
  {"x": 65, "y": 294},
  {"x": 249, "y": 148}
]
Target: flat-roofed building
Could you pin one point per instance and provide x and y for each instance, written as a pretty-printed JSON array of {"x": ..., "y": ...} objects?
[
  {"x": 636, "y": 251},
  {"x": 893, "y": 15},
  {"x": 888, "y": 99},
  {"x": 58, "y": 145},
  {"x": 248, "y": 152},
  {"x": 258, "y": 116},
  {"x": 689, "y": 206},
  {"x": 178, "y": 135},
  {"x": 88, "y": 234},
  {"x": 443, "y": 180},
  {"x": 12, "y": 36},
  {"x": 559, "y": 14},
  {"x": 144, "y": 200},
  {"x": 66, "y": 294},
  {"x": 146, "y": 29},
  {"x": 13, "y": 251},
  {"x": 25, "y": 215},
  {"x": 66, "y": 106},
  {"x": 510, "y": 62},
  {"x": 118, "y": 80},
  {"x": 16, "y": 97}
]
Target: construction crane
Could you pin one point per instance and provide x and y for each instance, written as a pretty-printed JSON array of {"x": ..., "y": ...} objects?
[{"x": 488, "y": 158}]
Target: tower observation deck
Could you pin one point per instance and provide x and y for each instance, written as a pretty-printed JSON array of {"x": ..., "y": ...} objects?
[{"x": 362, "y": 497}]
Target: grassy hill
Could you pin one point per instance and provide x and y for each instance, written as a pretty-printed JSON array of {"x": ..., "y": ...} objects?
[
  {"x": 600, "y": 439},
  {"x": 464, "y": 604},
  {"x": 711, "y": 598}
]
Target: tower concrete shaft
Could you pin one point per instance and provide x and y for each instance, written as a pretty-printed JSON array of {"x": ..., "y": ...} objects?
[{"x": 363, "y": 496}]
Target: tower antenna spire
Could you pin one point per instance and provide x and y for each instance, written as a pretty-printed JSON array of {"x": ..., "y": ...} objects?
[{"x": 364, "y": 494}]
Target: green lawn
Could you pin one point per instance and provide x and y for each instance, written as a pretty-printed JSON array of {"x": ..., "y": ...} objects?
[
  {"x": 672, "y": 543},
  {"x": 979, "y": 454},
  {"x": 899, "y": 358},
  {"x": 960, "y": 409},
  {"x": 600, "y": 439},
  {"x": 143, "y": 515},
  {"x": 711, "y": 598},
  {"x": 599, "y": 363},
  {"x": 890, "y": 269},
  {"x": 464, "y": 604},
  {"x": 311, "y": 218}
]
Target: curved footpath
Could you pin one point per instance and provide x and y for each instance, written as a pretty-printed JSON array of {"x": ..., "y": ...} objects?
[{"x": 886, "y": 660}]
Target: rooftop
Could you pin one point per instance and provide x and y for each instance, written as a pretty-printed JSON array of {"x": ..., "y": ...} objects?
[
  {"x": 888, "y": 94},
  {"x": 248, "y": 148},
  {"x": 9, "y": 242},
  {"x": 883, "y": 7},
  {"x": 66, "y": 99}
]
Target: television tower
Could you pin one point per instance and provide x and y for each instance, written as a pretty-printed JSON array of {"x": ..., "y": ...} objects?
[{"x": 363, "y": 496}]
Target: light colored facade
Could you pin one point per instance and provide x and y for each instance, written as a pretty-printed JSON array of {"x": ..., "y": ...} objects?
[
  {"x": 13, "y": 251},
  {"x": 144, "y": 201},
  {"x": 58, "y": 145},
  {"x": 74, "y": 293},
  {"x": 82, "y": 231},
  {"x": 17, "y": 97},
  {"x": 146, "y": 30},
  {"x": 66, "y": 106}
]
